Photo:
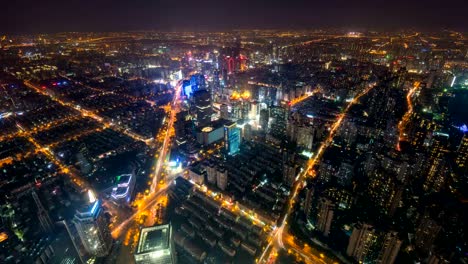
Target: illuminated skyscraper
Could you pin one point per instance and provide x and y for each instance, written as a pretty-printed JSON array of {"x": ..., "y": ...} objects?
[
  {"x": 367, "y": 245},
  {"x": 232, "y": 138},
  {"x": 156, "y": 246},
  {"x": 202, "y": 107},
  {"x": 462, "y": 153},
  {"x": 124, "y": 189},
  {"x": 436, "y": 175},
  {"x": 92, "y": 227},
  {"x": 279, "y": 115}
]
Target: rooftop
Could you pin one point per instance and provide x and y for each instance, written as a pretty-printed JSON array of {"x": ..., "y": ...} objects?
[{"x": 154, "y": 239}]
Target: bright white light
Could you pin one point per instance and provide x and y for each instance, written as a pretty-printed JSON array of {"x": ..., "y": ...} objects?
[
  {"x": 92, "y": 197},
  {"x": 453, "y": 81}
]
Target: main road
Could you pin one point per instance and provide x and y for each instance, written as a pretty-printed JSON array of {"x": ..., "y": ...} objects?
[
  {"x": 276, "y": 239},
  {"x": 156, "y": 189}
]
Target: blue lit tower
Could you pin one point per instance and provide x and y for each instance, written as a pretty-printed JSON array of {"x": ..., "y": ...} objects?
[
  {"x": 232, "y": 138},
  {"x": 92, "y": 228}
]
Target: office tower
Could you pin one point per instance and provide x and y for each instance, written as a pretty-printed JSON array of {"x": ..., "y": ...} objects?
[
  {"x": 210, "y": 171},
  {"x": 390, "y": 247},
  {"x": 46, "y": 224},
  {"x": 197, "y": 174},
  {"x": 360, "y": 242},
  {"x": 155, "y": 245},
  {"x": 224, "y": 111},
  {"x": 83, "y": 160},
  {"x": 462, "y": 153},
  {"x": 197, "y": 81},
  {"x": 264, "y": 118},
  {"x": 309, "y": 198},
  {"x": 247, "y": 132},
  {"x": 187, "y": 88},
  {"x": 232, "y": 138},
  {"x": 325, "y": 215},
  {"x": 221, "y": 178},
  {"x": 279, "y": 117},
  {"x": 124, "y": 189},
  {"x": 202, "y": 108},
  {"x": 93, "y": 230}
]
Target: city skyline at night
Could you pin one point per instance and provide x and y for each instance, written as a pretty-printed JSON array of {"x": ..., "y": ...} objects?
[{"x": 235, "y": 132}]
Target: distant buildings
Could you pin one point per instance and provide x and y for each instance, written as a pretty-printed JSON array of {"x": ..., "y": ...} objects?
[{"x": 156, "y": 245}]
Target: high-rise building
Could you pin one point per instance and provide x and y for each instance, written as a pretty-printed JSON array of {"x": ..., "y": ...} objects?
[
  {"x": 366, "y": 245},
  {"x": 197, "y": 81},
  {"x": 279, "y": 115},
  {"x": 202, "y": 108},
  {"x": 232, "y": 138},
  {"x": 46, "y": 224},
  {"x": 264, "y": 119},
  {"x": 247, "y": 132},
  {"x": 221, "y": 178},
  {"x": 290, "y": 170},
  {"x": 390, "y": 247},
  {"x": 155, "y": 246},
  {"x": 436, "y": 174},
  {"x": 309, "y": 197},
  {"x": 462, "y": 153},
  {"x": 93, "y": 229},
  {"x": 325, "y": 216},
  {"x": 124, "y": 189},
  {"x": 361, "y": 240},
  {"x": 224, "y": 111}
]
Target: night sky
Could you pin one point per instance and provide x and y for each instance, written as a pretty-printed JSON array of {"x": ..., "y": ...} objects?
[{"x": 37, "y": 16}]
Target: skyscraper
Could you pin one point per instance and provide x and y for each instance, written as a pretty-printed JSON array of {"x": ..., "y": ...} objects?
[
  {"x": 93, "y": 229},
  {"x": 264, "y": 118},
  {"x": 361, "y": 240},
  {"x": 232, "y": 138},
  {"x": 367, "y": 245},
  {"x": 155, "y": 246},
  {"x": 279, "y": 115},
  {"x": 202, "y": 107},
  {"x": 44, "y": 219},
  {"x": 325, "y": 216},
  {"x": 462, "y": 153},
  {"x": 123, "y": 192}
]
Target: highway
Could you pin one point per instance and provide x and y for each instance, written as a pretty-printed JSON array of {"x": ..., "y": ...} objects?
[
  {"x": 404, "y": 121},
  {"x": 157, "y": 190},
  {"x": 276, "y": 239}
]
